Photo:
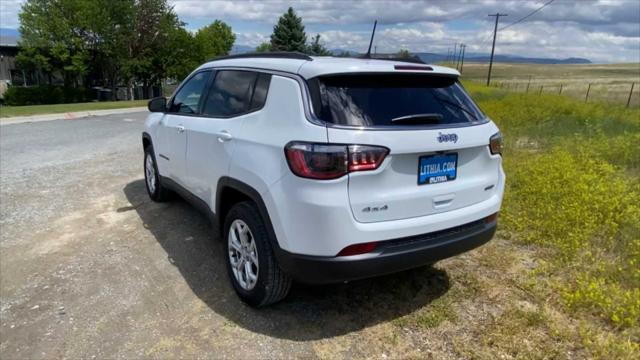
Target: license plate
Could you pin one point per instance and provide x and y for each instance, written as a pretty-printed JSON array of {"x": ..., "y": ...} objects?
[{"x": 435, "y": 169}]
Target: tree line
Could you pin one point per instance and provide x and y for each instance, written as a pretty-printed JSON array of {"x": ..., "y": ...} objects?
[
  {"x": 108, "y": 44},
  {"x": 118, "y": 42}
]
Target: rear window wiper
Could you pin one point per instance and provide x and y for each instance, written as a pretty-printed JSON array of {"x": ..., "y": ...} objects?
[
  {"x": 457, "y": 106},
  {"x": 431, "y": 118}
]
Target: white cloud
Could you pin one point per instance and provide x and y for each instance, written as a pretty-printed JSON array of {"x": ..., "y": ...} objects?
[
  {"x": 601, "y": 30},
  {"x": 9, "y": 10},
  {"x": 251, "y": 39},
  {"x": 410, "y": 11}
]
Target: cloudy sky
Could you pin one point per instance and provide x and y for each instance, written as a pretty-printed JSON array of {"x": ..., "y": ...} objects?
[{"x": 600, "y": 30}]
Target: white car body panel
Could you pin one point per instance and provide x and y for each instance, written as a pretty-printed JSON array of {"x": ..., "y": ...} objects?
[
  {"x": 173, "y": 145},
  {"x": 394, "y": 184},
  {"x": 259, "y": 158},
  {"x": 209, "y": 152}
]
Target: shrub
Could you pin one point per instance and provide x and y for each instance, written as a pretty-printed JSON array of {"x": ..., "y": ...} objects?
[{"x": 44, "y": 94}]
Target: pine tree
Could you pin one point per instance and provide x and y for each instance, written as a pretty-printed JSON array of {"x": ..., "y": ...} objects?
[
  {"x": 288, "y": 33},
  {"x": 318, "y": 49}
]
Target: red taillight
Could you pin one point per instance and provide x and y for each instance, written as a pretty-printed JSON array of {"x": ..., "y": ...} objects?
[
  {"x": 328, "y": 161},
  {"x": 357, "y": 249},
  {"x": 363, "y": 157}
]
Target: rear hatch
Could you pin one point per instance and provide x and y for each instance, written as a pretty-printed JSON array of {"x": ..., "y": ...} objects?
[{"x": 439, "y": 159}]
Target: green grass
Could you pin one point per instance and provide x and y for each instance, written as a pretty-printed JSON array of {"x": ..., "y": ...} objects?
[
  {"x": 573, "y": 189},
  {"x": 9, "y": 111},
  {"x": 610, "y": 82}
]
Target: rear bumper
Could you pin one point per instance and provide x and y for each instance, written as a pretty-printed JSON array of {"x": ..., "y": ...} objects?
[{"x": 390, "y": 256}]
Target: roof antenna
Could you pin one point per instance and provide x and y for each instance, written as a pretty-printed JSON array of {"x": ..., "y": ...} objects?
[{"x": 373, "y": 33}]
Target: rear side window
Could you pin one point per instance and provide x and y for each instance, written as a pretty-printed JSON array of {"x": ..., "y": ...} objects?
[
  {"x": 260, "y": 92},
  {"x": 187, "y": 98},
  {"x": 235, "y": 93},
  {"x": 392, "y": 100}
]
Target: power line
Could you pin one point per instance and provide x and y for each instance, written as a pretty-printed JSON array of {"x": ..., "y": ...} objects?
[{"x": 528, "y": 15}]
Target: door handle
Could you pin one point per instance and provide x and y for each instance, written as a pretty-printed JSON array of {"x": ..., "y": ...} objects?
[
  {"x": 180, "y": 128},
  {"x": 224, "y": 136}
]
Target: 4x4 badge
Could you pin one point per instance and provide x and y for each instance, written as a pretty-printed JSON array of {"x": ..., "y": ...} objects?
[{"x": 447, "y": 138}]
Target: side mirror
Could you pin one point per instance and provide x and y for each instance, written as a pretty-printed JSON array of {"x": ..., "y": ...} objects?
[{"x": 158, "y": 104}]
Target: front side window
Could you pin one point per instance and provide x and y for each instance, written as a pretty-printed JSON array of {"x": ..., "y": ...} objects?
[
  {"x": 187, "y": 98},
  {"x": 371, "y": 100}
]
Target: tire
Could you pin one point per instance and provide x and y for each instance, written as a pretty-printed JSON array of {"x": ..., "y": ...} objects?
[
  {"x": 270, "y": 283},
  {"x": 157, "y": 192}
]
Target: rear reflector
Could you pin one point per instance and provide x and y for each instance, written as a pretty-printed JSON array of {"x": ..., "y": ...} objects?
[
  {"x": 495, "y": 144},
  {"x": 358, "y": 249},
  {"x": 491, "y": 218}
]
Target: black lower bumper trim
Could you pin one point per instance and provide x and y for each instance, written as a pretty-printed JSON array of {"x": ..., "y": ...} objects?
[{"x": 389, "y": 257}]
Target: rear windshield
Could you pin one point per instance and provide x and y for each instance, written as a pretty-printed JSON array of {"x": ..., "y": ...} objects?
[{"x": 392, "y": 100}]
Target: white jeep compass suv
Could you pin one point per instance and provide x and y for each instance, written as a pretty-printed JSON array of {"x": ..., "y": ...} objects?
[{"x": 322, "y": 169}]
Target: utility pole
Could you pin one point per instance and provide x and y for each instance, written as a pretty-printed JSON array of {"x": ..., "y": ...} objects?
[
  {"x": 453, "y": 54},
  {"x": 493, "y": 47},
  {"x": 448, "y": 54},
  {"x": 464, "y": 48},
  {"x": 460, "y": 55}
]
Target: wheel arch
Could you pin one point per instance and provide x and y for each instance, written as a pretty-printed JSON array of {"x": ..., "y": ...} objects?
[
  {"x": 146, "y": 140},
  {"x": 230, "y": 191}
]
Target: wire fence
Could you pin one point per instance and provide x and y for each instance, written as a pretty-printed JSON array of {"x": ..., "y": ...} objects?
[{"x": 625, "y": 94}]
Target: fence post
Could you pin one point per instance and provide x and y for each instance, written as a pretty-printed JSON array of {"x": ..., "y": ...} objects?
[
  {"x": 630, "y": 92},
  {"x": 528, "y": 83},
  {"x": 541, "y": 87},
  {"x": 560, "y": 92},
  {"x": 586, "y": 98}
]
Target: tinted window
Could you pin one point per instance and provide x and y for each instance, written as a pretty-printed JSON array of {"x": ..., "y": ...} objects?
[
  {"x": 187, "y": 98},
  {"x": 231, "y": 93},
  {"x": 260, "y": 92},
  {"x": 392, "y": 100}
]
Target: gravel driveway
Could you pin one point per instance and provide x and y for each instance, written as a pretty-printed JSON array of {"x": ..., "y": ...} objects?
[{"x": 90, "y": 267}]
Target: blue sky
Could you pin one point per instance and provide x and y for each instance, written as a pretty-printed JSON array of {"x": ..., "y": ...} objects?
[{"x": 600, "y": 30}]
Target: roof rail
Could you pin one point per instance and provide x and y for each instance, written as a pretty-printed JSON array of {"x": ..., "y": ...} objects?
[{"x": 268, "y": 55}]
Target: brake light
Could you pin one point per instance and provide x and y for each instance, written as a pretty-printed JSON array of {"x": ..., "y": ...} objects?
[
  {"x": 364, "y": 157},
  {"x": 495, "y": 144},
  {"x": 357, "y": 249},
  {"x": 413, "y": 67},
  {"x": 331, "y": 161}
]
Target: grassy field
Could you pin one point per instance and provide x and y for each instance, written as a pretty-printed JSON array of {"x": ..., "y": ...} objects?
[
  {"x": 610, "y": 82},
  {"x": 561, "y": 280},
  {"x": 8, "y": 111}
]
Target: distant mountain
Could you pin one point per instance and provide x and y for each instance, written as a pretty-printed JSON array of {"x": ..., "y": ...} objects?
[
  {"x": 432, "y": 58},
  {"x": 241, "y": 49},
  {"x": 435, "y": 58}
]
